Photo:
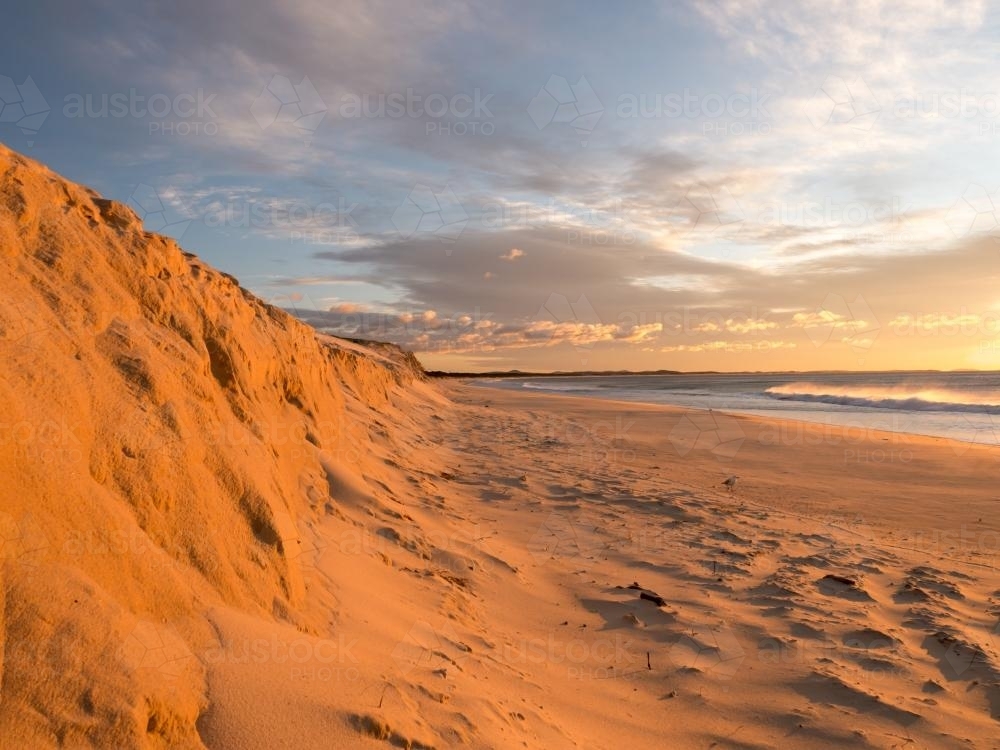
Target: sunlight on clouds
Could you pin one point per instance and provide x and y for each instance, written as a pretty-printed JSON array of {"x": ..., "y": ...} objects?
[{"x": 857, "y": 166}]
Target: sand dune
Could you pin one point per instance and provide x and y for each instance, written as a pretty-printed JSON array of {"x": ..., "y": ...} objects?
[
  {"x": 169, "y": 443},
  {"x": 220, "y": 529}
]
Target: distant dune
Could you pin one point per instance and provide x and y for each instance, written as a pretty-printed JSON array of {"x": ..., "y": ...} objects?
[{"x": 557, "y": 374}]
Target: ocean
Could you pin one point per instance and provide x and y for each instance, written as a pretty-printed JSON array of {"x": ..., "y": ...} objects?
[{"x": 962, "y": 406}]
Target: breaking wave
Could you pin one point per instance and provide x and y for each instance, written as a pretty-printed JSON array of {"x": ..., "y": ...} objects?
[
  {"x": 900, "y": 397},
  {"x": 557, "y": 387}
]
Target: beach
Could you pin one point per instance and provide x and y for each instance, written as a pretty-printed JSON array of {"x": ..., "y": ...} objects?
[
  {"x": 223, "y": 529},
  {"x": 844, "y": 593}
]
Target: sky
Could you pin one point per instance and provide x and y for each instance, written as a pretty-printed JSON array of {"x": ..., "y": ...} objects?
[{"x": 730, "y": 186}]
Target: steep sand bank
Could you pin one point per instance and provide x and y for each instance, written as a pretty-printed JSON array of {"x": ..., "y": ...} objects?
[{"x": 167, "y": 441}]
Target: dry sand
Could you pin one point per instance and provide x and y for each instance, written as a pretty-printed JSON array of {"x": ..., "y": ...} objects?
[
  {"x": 219, "y": 529},
  {"x": 756, "y": 646}
]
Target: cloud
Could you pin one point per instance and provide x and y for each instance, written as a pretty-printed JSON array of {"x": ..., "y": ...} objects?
[
  {"x": 666, "y": 224},
  {"x": 826, "y": 318},
  {"x": 736, "y": 326},
  {"x": 765, "y": 345},
  {"x": 324, "y": 280},
  {"x": 345, "y": 308},
  {"x": 891, "y": 36},
  {"x": 948, "y": 324},
  {"x": 625, "y": 288},
  {"x": 426, "y": 331}
]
